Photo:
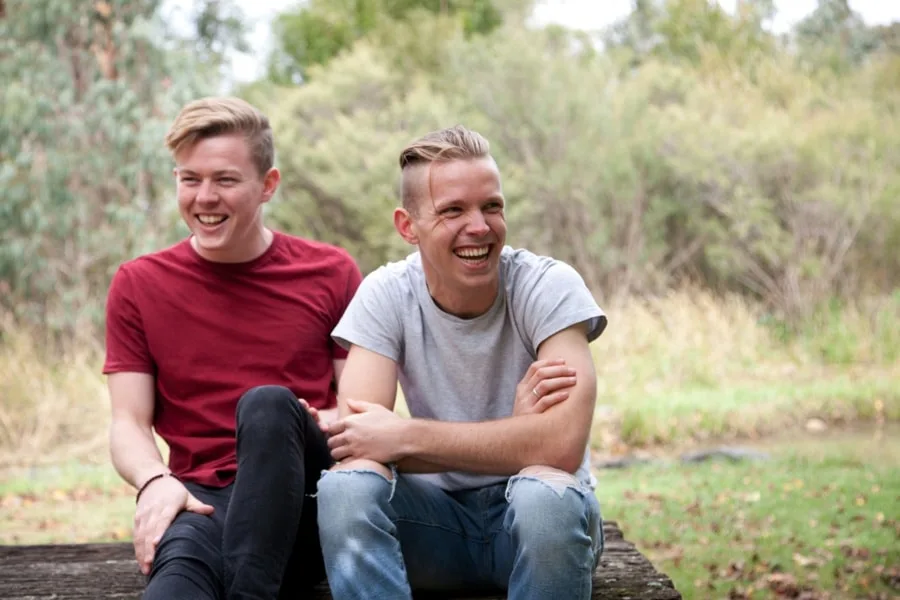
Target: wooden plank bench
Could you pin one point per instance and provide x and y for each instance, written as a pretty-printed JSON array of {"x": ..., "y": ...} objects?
[{"x": 103, "y": 571}]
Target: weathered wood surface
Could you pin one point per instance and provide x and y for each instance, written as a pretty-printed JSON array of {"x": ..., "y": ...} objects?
[{"x": 104, "y": 571}]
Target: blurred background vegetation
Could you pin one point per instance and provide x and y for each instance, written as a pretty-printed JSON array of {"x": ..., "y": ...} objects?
[{"x": 731, "y": 194}]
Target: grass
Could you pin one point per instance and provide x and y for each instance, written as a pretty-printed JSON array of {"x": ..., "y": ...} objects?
[
  {"x": 682, "y": 370},
  {"x": 688, "y": 366},
  {"x": 71, "y": 503},
  {"x": 53, "y": 402},
  {"x": 819, "y": 517}
]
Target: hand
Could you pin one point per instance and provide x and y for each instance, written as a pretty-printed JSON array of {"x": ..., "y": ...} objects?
[
  {"x": 161, "y": 501},
  {"x": 323, "y": 418},
  {"x": 546, "y": 383},
  {"x": 372, "y": 432},
  {"x": 313, "y": 412}
]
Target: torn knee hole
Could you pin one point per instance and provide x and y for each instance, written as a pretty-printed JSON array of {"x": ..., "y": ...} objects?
[
  {"x": 363, "y": 466},
  {"x": 549, "y": 475}
]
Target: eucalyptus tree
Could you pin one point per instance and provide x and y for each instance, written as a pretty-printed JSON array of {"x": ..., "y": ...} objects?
[{"x": 87, "y": 90}]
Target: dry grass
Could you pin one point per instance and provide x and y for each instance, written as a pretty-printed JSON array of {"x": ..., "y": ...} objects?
[
  {"x": 682, "y": 367},
  {"x": 691, "y": 366},
  {"x": 53, "y": 406},
  {"x": 686, "y": 338}
]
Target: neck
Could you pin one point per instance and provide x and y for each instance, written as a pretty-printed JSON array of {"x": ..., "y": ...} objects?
[
  {"x": 249, "y": 249},
  {"x": 466, "y": 303}
]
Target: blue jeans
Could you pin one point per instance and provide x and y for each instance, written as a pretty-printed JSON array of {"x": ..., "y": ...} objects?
[{"x": 536, "y": 536}]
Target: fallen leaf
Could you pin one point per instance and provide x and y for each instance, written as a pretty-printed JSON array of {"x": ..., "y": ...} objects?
[
  {"x": 784, "y": 584},
  {"x": 807, "y": 561}
]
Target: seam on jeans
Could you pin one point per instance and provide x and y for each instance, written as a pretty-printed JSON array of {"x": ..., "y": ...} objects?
[{"x": 461, "y": 534}]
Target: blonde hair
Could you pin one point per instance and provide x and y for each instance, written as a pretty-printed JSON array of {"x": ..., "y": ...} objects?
[
  {"x": 453, "y": 143},
  {"x": 213, "y": 116}
]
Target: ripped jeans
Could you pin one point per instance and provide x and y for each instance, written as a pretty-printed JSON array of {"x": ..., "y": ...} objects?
[{"x": 539, "y": 535}]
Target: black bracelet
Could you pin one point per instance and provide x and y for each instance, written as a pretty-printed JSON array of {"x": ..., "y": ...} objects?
[{"x": 149, "y": 481}]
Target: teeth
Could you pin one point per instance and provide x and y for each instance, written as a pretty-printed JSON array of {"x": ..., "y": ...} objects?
[
  {"x": 473, "y": 252},
  {"x": 211, "y": 219}
]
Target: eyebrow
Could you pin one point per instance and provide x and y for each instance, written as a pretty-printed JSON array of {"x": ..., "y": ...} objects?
[
  {"x": 454, "y": 201},
  {"x": 184, "y": 171}
]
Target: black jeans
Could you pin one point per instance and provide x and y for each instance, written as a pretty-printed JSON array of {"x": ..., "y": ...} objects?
[{"x": 262, "y": 541}]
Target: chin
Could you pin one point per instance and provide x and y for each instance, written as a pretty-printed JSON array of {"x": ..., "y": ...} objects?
[{"x": 211, "y": 243}]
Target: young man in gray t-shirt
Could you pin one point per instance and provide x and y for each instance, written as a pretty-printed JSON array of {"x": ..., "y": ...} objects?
[{"x": 488, "y": 484}]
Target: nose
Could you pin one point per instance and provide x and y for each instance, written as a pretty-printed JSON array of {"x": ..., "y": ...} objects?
[
  {"x": 477, "y": 225},
  {"x": 206, "y": 191}
]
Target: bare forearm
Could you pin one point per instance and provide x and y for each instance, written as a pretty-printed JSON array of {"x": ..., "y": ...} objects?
[
  {"x": 412, "y": 464},
  {"x": 134, "y": 453},
  {"x": 502, "y": 447}
]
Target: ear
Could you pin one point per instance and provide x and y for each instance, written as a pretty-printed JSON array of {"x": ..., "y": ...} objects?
[
  {"x": 405, "y": 226},
  {"x": 270, "y": 183}
]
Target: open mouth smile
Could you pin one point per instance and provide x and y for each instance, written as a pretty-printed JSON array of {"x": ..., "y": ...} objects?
[
  {"x": 473, "y": 254},
  {"x": 211, "y": 220}
]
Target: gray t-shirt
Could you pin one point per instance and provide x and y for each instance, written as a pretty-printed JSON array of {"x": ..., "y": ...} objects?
[{"x": 455, "y": 369}]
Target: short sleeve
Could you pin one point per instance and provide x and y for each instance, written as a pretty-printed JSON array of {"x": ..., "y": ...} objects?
[
  {"x": 351, "y": 281},
  {"x": 370, "y": 320},
  {"x": 126, "y": 340},
  {"x": 554, "y": 298}
]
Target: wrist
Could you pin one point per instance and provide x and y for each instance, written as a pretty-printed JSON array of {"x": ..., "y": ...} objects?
[
  {"x": 411, "y": 436},
  {"x": 150, "y": 480}
]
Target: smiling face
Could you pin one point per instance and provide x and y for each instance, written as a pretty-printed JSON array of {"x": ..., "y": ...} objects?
[
  {"x": 460, "y": 229},
  {"x": 220, "y": 197}
]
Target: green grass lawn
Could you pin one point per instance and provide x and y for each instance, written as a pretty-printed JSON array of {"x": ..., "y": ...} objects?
[{"x": 820, "y": 520}]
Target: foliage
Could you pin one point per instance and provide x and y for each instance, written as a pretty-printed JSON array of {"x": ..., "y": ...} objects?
[
  {"x": 640, "y": 178},
  {"x": 88, "y": 89},
  {"x": 338, "y": 180},
  {"x": 692, "y": 145},
  {"x": 319, "y": 30}
]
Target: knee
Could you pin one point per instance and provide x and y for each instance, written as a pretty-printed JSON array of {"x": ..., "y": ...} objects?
[
  {"x": 267, "y": 407},
  {"x": 547, "y": 502},
  {"x": 361, "y": 465},
  {"x": 350, "y": 492},
  {"x": 190, "y": 548}
]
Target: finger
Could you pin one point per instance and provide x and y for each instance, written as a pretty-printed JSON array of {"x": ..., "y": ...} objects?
[
  {"x": 341, "y": 453},
  {"x": 337, "y": 427},
  {"x": 551, "y": 371},
  {"x": 538, "y": 382},
  {"x": 550, "y": 400},
  {"x": 546, "y": 372},
  {"x": 138, "y": 543},
  {"x": 196, "y": 506},
  {"x": 141, "y": 540},
  {"x": 534, "y": 367},
  {"x": 149, "y": 549},
  {"x": 303, "y": 403},
  {"x": 548, "y": 386},
  {"x": 155, "y": 532},
  {"x": 336, "y": 441},
  {"x": 358, "y": 405}
]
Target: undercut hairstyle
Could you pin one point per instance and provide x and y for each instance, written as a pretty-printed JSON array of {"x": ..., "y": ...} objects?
[
  {"x": 453, "y": 143},
  {"x": 214, "y": 116}
]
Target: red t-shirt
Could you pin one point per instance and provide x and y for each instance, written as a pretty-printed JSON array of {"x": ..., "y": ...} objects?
[{"x": 209, "y": 331}]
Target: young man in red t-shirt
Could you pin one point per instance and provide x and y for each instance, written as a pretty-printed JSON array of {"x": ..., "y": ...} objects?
[{"x": 221, "y": 343}]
